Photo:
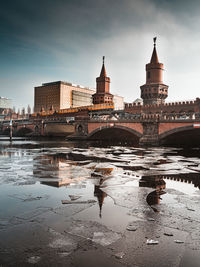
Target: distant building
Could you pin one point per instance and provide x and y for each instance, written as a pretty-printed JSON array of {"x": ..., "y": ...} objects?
[
  {"x": 5, "y": 104},
  {"x": 118, "y": 102},
  {"x": 61, "y": 95},
  {"x": 138, "y": 100}
]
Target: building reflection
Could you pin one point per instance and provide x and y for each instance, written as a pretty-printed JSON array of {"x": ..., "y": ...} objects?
[
  {"x": 189, "y": 178},
  {"x": 158, "y": 183},
  {"x": 100, "y": 195},
  {"x": 57, "y": 171}
]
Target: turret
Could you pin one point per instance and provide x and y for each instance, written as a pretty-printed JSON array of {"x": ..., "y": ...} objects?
[
  {"x": 154, "y": 91},
  {"x": 102, "y": 94}
]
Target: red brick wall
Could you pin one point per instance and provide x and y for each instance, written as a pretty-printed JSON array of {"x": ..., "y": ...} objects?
[
  {"x": 167, "y": 126},
  {"x": 135, "y": 126}
]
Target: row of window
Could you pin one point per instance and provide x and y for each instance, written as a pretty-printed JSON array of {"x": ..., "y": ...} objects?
[
  {"x": 152, "y": 95},
  {"x": 155, "y": 89}
]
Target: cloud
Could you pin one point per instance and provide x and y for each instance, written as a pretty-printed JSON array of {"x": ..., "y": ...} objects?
[{"x": 67, "y": 39}]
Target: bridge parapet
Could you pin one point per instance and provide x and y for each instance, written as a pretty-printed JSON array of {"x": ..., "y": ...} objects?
[
  {"x": 129, "y": 105},
  {"x": 179, "y": 107},
  {"x": 150, "y": 117}
]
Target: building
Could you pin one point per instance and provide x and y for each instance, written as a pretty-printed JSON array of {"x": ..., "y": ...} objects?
[
  {"x": 154, "y": 91},
  {"x": 118, "y": 102},
  {"x": 102, "y": 94},
  {"x": 5, "y": 105},
  {"x": 138, "y": 100},
  {"x": 61, "y": 95}
]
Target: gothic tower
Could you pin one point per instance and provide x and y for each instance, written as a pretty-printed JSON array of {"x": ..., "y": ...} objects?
[
  {"x": 102, "y": 94},
  {"x": 154, "y": 91}
]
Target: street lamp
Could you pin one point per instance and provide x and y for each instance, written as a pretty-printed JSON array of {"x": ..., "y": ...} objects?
[{"x": 10, "y": 126}]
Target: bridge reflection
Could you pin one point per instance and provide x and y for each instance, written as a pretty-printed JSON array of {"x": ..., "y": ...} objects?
[
  {"x": 158, "y": 182},
  {"x": 58, "y": 171},
  {"x": 155, "y": 181}
]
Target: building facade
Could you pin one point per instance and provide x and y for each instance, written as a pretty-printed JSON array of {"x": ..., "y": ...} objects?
[
  {"x": 61, "y": 95},
  {"x": 118, "y": 102},
  {"x": 5, "y": 104}
]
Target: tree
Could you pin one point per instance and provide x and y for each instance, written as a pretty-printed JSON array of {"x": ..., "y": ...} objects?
[
  {"x": 23, "y": 111},
  {"x": 29, "y": 110}
]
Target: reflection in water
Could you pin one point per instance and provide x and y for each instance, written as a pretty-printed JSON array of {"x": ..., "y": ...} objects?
[
  {"x": 40, "y": 206},
  {"x": 153, "y": 181},
  {"x": 100, "y": 196},
  {"x": 154, "y": 198},
  {"x": 156, "y": 182},
  {"x": 189, "y": 178},
  {"x": 63, "y": 169},
  {"x": 57, "y": 171}
]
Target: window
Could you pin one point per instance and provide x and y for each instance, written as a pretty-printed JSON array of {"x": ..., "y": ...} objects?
[{"x": 148, "y": 74}]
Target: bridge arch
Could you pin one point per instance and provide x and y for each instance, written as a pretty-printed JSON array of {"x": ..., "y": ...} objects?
[
  {"x": 186, "y": 135},
  {"x": 23, "y": 131},
  {"x": 116, "y": 133},
  {"x": 6, "y": 131}
]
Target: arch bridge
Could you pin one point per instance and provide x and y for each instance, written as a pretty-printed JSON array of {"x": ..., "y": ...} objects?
[{"x": 151, "y": 129}]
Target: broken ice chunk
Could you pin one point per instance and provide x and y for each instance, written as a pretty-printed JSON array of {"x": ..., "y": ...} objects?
[
  {"x": 151, "y": 219},
  {"x": 106, "y": 238},
  {"x": 151, "y": 242},
  {"x": 168, "y": 234},
  {"x": 119, "y": 255},
  {"x": 131, "y": 227},
  {"x": 73, "y": 197},
  {"x": 78, "y": 202},
  {"x": 179, "y": 241}
]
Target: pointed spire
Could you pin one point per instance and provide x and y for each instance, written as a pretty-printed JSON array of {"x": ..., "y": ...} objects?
[
  {"x": 103, "y": 70},
  {"x": 154, "y": 57}
]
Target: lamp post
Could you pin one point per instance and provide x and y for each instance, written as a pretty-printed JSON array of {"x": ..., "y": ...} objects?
[{"x": 10, "y": 126}]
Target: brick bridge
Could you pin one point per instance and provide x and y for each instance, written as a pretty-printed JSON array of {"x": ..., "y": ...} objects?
[
  {"x": 146, "y": 129},
  {"x": 171, "y": 124},
  {"x": 20, "y": 127},
  {"x": 166, "y": 123}
]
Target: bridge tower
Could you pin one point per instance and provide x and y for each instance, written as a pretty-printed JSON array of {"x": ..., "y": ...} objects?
[
  {"x": 102, "y": 94},
  {"x": 154, "y": 91}
]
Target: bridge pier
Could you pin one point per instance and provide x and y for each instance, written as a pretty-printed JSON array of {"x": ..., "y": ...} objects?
[{"x": 150, "y": 134}]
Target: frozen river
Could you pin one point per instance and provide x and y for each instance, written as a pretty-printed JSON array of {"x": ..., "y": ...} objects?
[{"x": 77, "y": 204}]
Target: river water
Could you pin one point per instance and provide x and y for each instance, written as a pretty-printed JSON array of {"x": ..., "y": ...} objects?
[{"x": 67, "y": 204}]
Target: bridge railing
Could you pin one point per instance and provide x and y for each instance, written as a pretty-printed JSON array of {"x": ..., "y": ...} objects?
[{"x": 149, "y": 116}]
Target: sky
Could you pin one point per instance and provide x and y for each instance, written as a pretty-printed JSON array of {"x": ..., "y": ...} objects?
[{"x": 48, "y": 40}]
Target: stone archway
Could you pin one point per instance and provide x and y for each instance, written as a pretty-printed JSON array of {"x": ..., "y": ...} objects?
[
  {"x": 183, "y": 136},
  {"x": 115, "y": 133}
]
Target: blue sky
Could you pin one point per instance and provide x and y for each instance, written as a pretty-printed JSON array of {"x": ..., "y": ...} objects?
[{"x": 44, "y": 41}]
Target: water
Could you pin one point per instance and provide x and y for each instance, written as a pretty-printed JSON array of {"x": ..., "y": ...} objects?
[{"x": 114, "y": 186}]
